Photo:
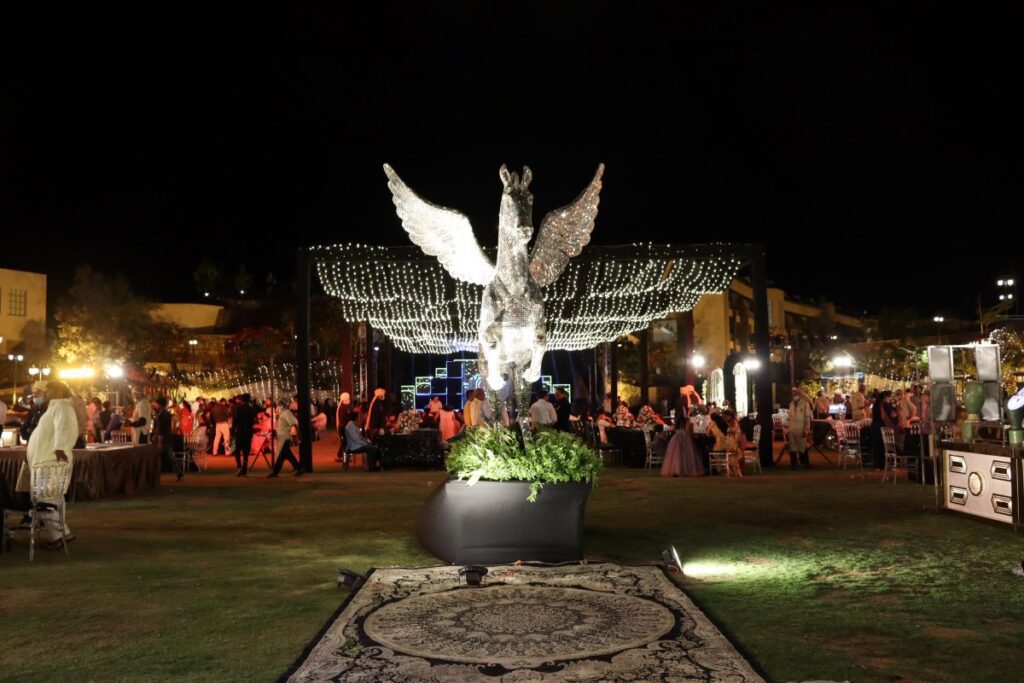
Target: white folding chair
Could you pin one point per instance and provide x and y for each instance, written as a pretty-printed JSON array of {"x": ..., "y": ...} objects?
[
  {"x": 718, "y": 460},
  {"x": 752, "y": 455},
  {"x": 653, "y": 459},
  {"x": 49, "y": 483},
  {"x": 848, "y": 443},
  {"x": 891, "y": 458}
]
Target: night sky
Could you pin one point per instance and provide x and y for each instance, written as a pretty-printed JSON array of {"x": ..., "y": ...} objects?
[{"x": 877, "y": 151}]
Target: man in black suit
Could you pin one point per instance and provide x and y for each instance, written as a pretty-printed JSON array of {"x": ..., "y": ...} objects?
[
  {"x": 245, "y": 416},
  {"x": 562, "y": 409}
]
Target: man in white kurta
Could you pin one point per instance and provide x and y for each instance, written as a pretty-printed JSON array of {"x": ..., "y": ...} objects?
[
  {"x": 53, "y": 439},
  {"x": 858, "y": 404},
  {"x": 143, "y": 411}
]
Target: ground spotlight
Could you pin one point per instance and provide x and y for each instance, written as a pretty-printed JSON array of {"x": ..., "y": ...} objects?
[
  {"x": 670, "y": 558},
  {"x": 473, "y": 574},
  {"x": 347, "y": 577}
]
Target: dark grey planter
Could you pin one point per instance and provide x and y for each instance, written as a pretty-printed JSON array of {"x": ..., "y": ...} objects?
[{"x": 491, "y": 522}]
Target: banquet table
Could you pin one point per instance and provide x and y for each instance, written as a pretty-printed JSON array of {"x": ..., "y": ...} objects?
[
  {"x": 100, "y": 471},
  {"x": 420, "y": 448},
  {"x": 631, "y": 442}
]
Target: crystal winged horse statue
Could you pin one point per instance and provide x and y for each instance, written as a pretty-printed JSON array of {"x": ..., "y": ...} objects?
[{"x": 512, "y": 327}]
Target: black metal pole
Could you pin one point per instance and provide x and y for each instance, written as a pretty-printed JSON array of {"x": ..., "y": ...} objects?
[
  {"x": 302, "y": 359},
  {"x": 759, "y": 275},
  {"x": 614, "y": 372},
  {"x": 644, "y": 377}
]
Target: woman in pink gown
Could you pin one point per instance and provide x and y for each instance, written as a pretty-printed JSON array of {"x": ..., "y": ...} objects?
[{"x": 681, "y": 456}]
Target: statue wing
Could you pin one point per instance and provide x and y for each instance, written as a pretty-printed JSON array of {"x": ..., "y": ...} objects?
[
  {"x": 444, "y": 233},
  {"x": 564, "y": 232}
]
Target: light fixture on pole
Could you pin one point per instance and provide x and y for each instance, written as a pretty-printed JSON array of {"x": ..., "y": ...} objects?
[
  {"x": 1008, "y": 290},
  {"x": 17, "y": 358},
  {"x": 792, "y": 365},
  {"x": 192, "y": 343},
  {"x": 938, "y": 320}
]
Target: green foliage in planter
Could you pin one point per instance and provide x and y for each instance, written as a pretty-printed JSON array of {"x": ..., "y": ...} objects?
[{"x": 551, "y": 457}]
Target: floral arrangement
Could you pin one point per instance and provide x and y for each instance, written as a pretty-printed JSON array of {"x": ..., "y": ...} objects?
[
  {"x": 647, "y": 418},
  {"x": 408, "y": 421},
  {"x": 623, "y": 418}
]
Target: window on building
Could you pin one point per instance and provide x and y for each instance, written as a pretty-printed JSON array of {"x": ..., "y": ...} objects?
[{"x": 16, "y": 301}]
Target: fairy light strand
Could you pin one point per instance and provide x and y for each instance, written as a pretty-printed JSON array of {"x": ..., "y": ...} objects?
[{"x": 600, "y": 296}]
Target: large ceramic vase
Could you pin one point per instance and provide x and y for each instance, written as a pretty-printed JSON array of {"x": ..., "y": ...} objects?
[
  {"x": 974, "y": 399},
  {"x": 491, "y": 522},
  {"x": 1014, "y": 416}
]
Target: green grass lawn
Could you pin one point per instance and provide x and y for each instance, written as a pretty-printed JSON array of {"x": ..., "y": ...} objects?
[{"x": 814, "y": 575}]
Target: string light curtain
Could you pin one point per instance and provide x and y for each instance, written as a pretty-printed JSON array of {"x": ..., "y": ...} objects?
[
  {"x": 604, "y": 293},
  {"x": 324, "y": 377}
]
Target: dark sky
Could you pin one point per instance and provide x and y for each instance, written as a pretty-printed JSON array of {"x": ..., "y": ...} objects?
[{"x": 876, "y": 150}]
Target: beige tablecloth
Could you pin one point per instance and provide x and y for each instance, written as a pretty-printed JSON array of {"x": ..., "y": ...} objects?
[{"x": 98, "y": 473}]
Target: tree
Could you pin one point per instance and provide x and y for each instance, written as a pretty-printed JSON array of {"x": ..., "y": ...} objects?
[
  {"x": 987, "y": 317},
  {"x": 254, "y": 346},
  {"x": 101, "y": 319},
  {"x": 206, "y": 277},
  {"x": 242, "y": 280},
  {"x": 1011, "y": 352}
]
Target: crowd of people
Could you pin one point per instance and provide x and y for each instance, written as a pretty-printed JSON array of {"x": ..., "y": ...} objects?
[
  {"x": 899, "y": 410},
  {"x": 243, "y": 427}
]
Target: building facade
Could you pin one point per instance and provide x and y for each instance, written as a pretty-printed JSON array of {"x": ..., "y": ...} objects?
[
  {"x": 22, "y": 312},
  {"x": 706, "y": 347}
]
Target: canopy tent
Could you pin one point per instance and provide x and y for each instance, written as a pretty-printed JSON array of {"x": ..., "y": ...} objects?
[{"x": 604, "y": 293}]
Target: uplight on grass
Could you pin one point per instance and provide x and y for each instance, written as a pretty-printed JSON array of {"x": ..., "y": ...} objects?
[
  {"x": 700, "y": 570},
  {"x": 713, "y": 569}
]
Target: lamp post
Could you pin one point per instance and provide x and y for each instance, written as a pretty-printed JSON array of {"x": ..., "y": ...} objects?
[
  {"x": 1008, "y": 291},
  {"x": 17, "y": 358},
  {"x": 938, "y": 320},
  {"x": 192, "y": 343}
]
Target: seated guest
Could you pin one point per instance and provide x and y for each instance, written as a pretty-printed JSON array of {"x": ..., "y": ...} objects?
[
  {"x": 604, "y": 421},
  {"x": 735, "y": 429},
  {"x": 356, "y": 443},
  {"x": 725, "y": 442}
]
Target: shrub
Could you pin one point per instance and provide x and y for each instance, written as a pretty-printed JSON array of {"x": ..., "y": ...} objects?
[{"x": 495, "y": 454}]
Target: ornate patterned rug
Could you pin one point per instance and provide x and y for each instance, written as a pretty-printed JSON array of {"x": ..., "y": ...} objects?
[{"x": 597, "y": 622}]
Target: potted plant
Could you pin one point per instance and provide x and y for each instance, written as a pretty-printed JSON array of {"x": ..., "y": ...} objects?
[{"x": 507, "y": 500}]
